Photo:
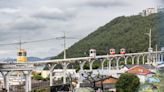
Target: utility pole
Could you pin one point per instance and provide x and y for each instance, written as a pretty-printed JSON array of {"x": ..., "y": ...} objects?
[
  {"x": 150, "y": 49},
  {"x": 150, "y": 39},
  {"x": 64, "y": 42},
  {"x": 64, "y": 37}
]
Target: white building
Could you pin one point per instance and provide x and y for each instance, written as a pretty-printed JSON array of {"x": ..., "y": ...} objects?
[
  {"x": 141, "y": 72},
  {"x": 148, "y": 11},
  {"x": 58, "y": 73}
]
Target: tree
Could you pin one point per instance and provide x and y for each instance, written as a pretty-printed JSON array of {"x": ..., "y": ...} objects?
[{"x": 127, "y": 83}]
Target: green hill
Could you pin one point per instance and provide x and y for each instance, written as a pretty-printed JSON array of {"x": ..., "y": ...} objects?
[{"x": 122, "y": 32}]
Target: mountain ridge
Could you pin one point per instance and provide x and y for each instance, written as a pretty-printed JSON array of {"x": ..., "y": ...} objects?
[{"x": 121, "y": 32}]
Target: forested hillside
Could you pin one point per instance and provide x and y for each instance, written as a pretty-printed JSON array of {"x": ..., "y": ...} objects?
[{"x": 122, "y": 32}]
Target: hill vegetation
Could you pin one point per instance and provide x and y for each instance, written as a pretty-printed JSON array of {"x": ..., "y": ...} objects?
[{"x": 122, "y": 32}]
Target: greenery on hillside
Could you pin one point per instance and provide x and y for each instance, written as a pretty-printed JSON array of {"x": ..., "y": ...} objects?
[{"x": 122, "y": 32}]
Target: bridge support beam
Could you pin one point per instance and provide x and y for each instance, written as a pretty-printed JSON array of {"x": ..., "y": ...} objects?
[
  {"x": 91, "y": 64},
  {"x": 158, "y": 57},
  {"x": 82, "y": 63},
  {"x": 29, "y": 80},
  {"x": 26, "y": 83},
  {"x": 64, "y": 65},
  {"x": 110, "y": 64},
  {"x": 154, "y": 59},
  {"x": 27, "y": 75},
  {"x": 149, "y": 58},
  {"x": 143, "y": 59},
  {"x": 51, "y": 74},
  {"x": 138, "y": 59},
  {"x": 161, "y": 57},
  {"x": 117, "y": 62},
  {"x": 102, "y": 64},
  {"x": 133, "y": 57},
  {"x": 6, "y": 80},
  {"x": 126, "y": 60}
]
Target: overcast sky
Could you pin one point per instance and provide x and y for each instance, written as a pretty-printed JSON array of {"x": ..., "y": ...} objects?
[{"x": 42, "y": 19}]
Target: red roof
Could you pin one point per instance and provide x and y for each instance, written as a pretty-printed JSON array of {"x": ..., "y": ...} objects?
[
  {"x": 109, "y": 80},
  {"x": 139, "y": 70}
]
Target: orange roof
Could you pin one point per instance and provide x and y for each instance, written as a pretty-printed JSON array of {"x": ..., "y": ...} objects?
[
  {"x": 139, "y": 70},
  {"x": 110, "y": 80}
]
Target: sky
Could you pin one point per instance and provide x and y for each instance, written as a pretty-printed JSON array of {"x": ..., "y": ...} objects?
[{"x": 44, "y": 19}]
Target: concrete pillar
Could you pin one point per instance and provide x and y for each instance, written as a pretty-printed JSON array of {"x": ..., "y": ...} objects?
[
  {"x": 126, "y": 60},
  {"x": 29, "y": 79},
  {"x": 51, "y": 79},
  {"x": 27, "y": 75},
  {"x": 117, "y": 62},
  {"x": 6, "y": 80},
  {"x": 138, "y": 59},
  {"x": 6, "y": 83},
  {"x": 149, "y": 58},
  {"x": 162, "y": 57},
  {"x": 143, "y": 59},
  {"x": 90, "y": 64},
  {"x": 102, "y": 64},
  {"x": 133, "y": 57},
  {"x": 158, "y": 58},
  {"x": 51, "y": 72},
  {"x": 154, "y": 59},
  {"x": 82, "y": 63},
  {"x": 110, "y": 64},
  {"x": 64, "y": 64},
  {"x": 26, "y": 83}
]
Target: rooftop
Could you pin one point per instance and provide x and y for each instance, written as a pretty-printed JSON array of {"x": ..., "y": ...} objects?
[{"x": 139, "y": 70}]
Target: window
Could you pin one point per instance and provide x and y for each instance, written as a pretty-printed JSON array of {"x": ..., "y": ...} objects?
[
  {"x": 24, "y": 53},
  {"x": 19, "y": 53}
]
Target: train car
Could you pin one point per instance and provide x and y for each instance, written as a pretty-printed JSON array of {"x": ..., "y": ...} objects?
[
  {"x": 22, "y": 56},
  {"x": 112, "y": 51},
  {"x": 92, "y": 53},
  {"x": 122, "y": 51}
]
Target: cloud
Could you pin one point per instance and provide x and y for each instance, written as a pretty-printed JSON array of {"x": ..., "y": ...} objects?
[
  {"x": 105, "y": 3},
  {"x": 161, "y": 3},
  {"x": 27, "y": 23},
  {"x": 9, "y": 10},
  {"x": 53, "y": 14},
  {"x": 42, "y": 19},
  {"x": 5, "y": 52}
]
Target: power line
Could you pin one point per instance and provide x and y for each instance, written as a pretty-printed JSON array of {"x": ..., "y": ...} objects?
[{"x": 35, "y": 41}]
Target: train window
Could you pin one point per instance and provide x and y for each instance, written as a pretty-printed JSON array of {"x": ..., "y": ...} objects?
[
  {"x": 19, "y": 53},
  {"x": 24, "y": 54}
]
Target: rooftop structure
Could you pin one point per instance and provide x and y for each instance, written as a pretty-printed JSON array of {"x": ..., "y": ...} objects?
[
  {"x": 148, "y": 11},
  {"x": 139, "y": 70}
]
